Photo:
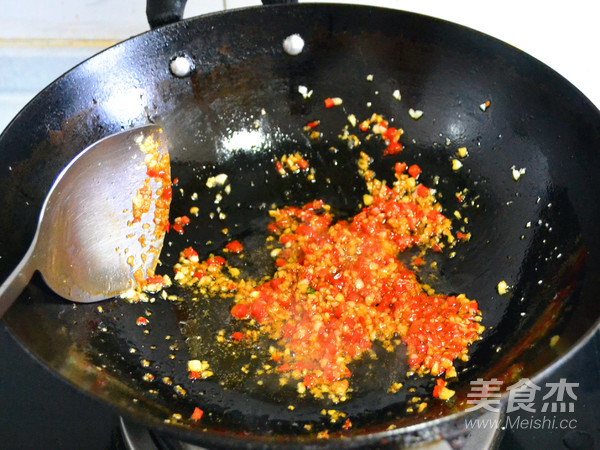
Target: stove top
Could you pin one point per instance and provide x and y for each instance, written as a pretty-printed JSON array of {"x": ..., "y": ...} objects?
[{"x": 41, "y": 411}]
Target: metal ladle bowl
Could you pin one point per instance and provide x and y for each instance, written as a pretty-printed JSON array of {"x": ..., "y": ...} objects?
[{"x": 86, "y": 246}]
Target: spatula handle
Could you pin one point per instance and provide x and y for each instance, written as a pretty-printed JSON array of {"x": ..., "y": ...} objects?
[{"x": 17, "y": 280}]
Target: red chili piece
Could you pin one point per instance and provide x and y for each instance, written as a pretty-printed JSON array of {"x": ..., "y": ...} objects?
[
  {"x": 197, "y": 414},
  {"x": 216, "y": 261},
  {"x": 190, "y": 253},
  {"x": 422, "y": 191},
  {"x": 414, "y": 171},
  {"x": 235, "y": 247},
  {"x": 240, "y": 311},
  {"x": 238, "y": 335}
]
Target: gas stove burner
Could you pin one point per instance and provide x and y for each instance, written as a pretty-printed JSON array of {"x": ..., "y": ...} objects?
[{"x": 137, "y": 437}]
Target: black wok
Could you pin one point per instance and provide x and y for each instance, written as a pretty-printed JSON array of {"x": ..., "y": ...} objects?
[{"x": 540, "y": 234}]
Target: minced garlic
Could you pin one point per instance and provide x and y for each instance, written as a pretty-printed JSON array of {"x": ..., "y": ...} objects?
[
  {"x": 462, "y": 152},
  {"x": 456, "y": 164},
  {"x": 415, "y": 113},
  {"x": 502, "y": 288}
]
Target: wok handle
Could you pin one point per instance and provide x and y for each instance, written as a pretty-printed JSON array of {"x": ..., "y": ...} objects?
[
  {"x": 17, "y": 280},
  {"x": 164, "y": 12}
]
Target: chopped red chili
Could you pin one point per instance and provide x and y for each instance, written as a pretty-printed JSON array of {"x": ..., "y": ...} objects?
[
  {"x": 183, "y": 220},
  {"x": 335, "y": 280},
  {"x": 155, "y": 279},
  {"x": 235, "y": 247},
  {"x": 303, "y": 164},
  {"x": 422, "y": 191},
  {"x": 190, "y": 253},
  {"x": 399, "y": 167},
  {"x": 237, "y": 335},
  {"x": 414, "y": 171},
  {"x": 197, "y": 414},
  {"x": 215, "y": 261},
  {"x": 279, "y": 262},
  {"x": 240, "y": 311},
  {"x": 339, "y": 286},
  {"x": 439, "y": 385},
  {"x": 392, "y": 148}
]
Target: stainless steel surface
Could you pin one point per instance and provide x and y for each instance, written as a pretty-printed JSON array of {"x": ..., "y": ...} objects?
[{"x": 85, "y": 245}]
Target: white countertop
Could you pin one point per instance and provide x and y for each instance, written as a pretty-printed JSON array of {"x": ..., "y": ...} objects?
[{"x": 41, "y": 39}]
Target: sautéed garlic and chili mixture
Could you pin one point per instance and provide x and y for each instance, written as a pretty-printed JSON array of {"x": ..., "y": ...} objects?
[{"x": 338, "y": 284}]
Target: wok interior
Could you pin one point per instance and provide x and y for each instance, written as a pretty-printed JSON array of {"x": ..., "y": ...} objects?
[{"x": 538, "y": 233}]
